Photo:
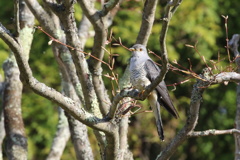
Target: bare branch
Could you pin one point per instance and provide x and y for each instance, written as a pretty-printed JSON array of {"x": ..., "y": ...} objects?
[
  {"x": 61, "y": 137},
  {"x": 79, "y": 134},
  {"x": 63, "y": 57},
  {"x": 112, "y": 149},
  {"x": 166, "y": 20},
  {"x": 227, "y": 77},
  {"x": 233, "y": 44},
  {"x": 16, "y": 141},
  {"x": 80, "y": 140},
  {"x": 68, "y": 21},
  {"x": 196, "y": 99},
  {"x": 83, "y": 30},
  {"x": 2, "y": 129},
  {"x": 108, "y": 7},
  {"x": 213, "y": 132},
  {"x": 88, "y": 9},
  {"x": 100, "y": 24},
  {"x": 66, "y": 103},
  {"x": 91, "y": 103},
  {"x": 164, "y": 55},
  {"x": 77, "y": 129},
  {"x": 16, "y": 17},
  {"x": 147, "y": 21},
  {"x": 124, "y": 152},
  {"x": 2, "y": 134},
  {"x": 42, "y": 16}
]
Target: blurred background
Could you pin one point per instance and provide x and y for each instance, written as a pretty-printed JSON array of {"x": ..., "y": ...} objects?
[{"x": 195, "y": 22}]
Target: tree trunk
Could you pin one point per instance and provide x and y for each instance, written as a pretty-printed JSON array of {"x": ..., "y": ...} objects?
[{"x": 16, "y": 141}]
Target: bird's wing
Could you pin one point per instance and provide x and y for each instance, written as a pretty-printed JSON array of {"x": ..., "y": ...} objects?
[{"x": 153, "y": 71}]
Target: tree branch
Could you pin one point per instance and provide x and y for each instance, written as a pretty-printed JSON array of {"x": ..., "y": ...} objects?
[
  {"x": 108, "y": 7},
  {"x": 77, "y": 129},
  {"x": 16, "y": 141},
  {"x": 67, "y": 18},
  {"x": 233, "y": 44},
  {"x": 66, "y": 103},
  {"x": 91, "y": 103},
  {"x": 147, "y": 21},
  {"x": 226, "y": 77},
  {"x": 213, "y": 132},
  {"x": 124, "y": 152},
  {"x": 2, "y": 128},
  {"x": 42, "y": 16},
  {"x": 196, "y": 99},
  {"x": 162, "y": 40},
  {"x": 61, "y": 137},
  {"x": 100, "y": 23}
]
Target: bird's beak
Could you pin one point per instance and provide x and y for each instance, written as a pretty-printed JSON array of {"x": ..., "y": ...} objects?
[{"x": 131, "y": 49}]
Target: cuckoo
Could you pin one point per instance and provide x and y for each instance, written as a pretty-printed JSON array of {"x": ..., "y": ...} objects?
[{"x": 143, "y": 71}]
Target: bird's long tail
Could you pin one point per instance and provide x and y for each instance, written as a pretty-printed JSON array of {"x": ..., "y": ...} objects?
[{"x": 155, "y": 105}]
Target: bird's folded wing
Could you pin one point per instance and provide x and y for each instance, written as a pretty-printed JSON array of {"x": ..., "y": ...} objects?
[{"x": 153, "y": 71}]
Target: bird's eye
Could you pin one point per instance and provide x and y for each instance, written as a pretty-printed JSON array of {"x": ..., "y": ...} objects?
[{"x": 140, "y": 49}]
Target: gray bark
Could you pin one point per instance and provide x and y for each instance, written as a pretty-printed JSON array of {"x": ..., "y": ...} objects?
[
  {"x": 16, "y": 141},
  {"x": 61, "y": 137},
  {"x": 233, "y": 43},
  {"x": 2, "y": 129},
  {"x": 148, "y": 18}
]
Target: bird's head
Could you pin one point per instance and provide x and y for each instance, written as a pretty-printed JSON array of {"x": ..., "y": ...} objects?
[{"x": 138, "y": 50}]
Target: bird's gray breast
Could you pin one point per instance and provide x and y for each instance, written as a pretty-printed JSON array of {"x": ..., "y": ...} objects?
[{"x": 138, "y": 74}]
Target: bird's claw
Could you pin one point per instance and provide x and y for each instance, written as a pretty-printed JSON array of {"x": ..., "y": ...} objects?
[{"x": 141, "y": 93}]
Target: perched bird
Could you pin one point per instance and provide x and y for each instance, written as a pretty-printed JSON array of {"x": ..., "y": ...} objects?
[{"x": 143, "y": 72}]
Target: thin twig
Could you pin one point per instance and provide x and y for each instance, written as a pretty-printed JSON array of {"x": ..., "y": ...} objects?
[
  {"x": 72, "y": 48},
  {"x": 227, "y": 39}
]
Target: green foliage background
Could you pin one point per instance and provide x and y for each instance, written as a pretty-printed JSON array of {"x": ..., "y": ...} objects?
[{"x": 196, "y": 21}]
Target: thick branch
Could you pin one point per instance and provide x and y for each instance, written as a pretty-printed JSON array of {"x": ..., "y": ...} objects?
[
  {"x": 147, "y": 21},
  {"x": 55, "y": 30},
  {"x": 61, "y": 137},
  {"x": 124, "y": 152},
  {"x": 2, "y": 132},
  {"x": 227, "y": 77},
  {"x": 112, "y": 148},
  {"x": 108, "y": 7},
  {"x": 69, "y": 24},
  {"x": 77, "y": 129},
  {"x": 2, "y": 129},
  {"x": 233, "y": 44},
  {"x": 16, "y": 141},
  {"x": 42, "y": 16},
  {"x": 66, "y": 103},
  {"x": 100, "y": 24}
]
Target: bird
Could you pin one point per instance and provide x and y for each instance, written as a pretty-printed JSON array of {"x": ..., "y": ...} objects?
[{"x": 143, "y": 71}]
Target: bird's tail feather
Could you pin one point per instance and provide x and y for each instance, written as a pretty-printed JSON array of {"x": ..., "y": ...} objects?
[
  {"x": 155, "y": 105},
  {"x": 158, "y": 118}
]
